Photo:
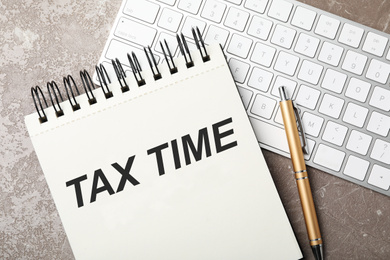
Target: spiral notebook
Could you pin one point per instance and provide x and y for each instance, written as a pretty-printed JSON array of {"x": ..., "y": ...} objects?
[{"x": 157, "y": 164}]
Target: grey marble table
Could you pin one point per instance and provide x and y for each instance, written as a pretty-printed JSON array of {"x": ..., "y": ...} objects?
[{"x": 46, "y": 40}]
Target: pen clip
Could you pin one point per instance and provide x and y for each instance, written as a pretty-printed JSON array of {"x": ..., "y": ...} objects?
[{"x": 300, "y": 128}]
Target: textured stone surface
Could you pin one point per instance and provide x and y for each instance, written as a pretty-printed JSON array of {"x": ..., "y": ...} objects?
[{"x": 46, "y": 40}]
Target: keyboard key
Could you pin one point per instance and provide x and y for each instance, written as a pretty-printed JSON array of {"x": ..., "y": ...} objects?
[
  {"x": 307, "y": 97},
  {"x": 236, "y": 19},
  {"x": 335, "y": 133},
  {"x": 171, "y": 41},
  {"x": 239, "y": 46},
  {"x": 266, "y": 133},
  {"x": 310, "y": 147},
  {"x": 334, "y": 81},
  {"x": 331, "y": 106},
  {"x": 191, "y": 6},
  {"x": 260, "y": 79},
  {"x": 379, "y": 124},
  {"x": 358, "y": 89},
  {"x": 213, "y": 11},
  {"x": 380, "y": 177},
  {"x": 354, "y": 62},
  {"x": 263, "y": 106},
  {"x": 192, "y": 46},
  {"x": 375, "y": 44},
  {"x": 355, "y": 115},
  {"x": 310, "y": 72},
  {"x": 356, "y": 167},
  {"x": 170, "y": 20},
  {"x": 312, "y": 124},
  {"x": 238, "y": 69},
  {"x": 388, "y": 55},
  {"x": 143, "y": 10},
  {"x": 327, "y": 26},
  {"x": 119, "y": 50},
  {"x": 190, "y": 23},
  {"x": 380, "y": 98},
  {"x": 139, "y": 33},
  {"x": 216, "y": 34},
  {"x": 263, "y": 54},
  {"x": 278, "y": 117},
  {"x": 280, "y": 10},
  {"x": 286, "y": 63},
  {"x": 168, "y": 2},
  {"x": 351, "y": 35},
  {"x": 283, "y": 36},
  {"x": 256, "y": 5},
  {"x": 303, "y": 18},
  {"x": 307, "y": 45},
  {"x": 260, "y": 28},
  {"x": 237, "y": 2},
  {"x": 381, "y": 151},
  {"x": 246, "y": 96},
  {"x": 378, "y": 71},
  {"x": 329, "y": 157},
  {"x": 110, "y": 71},
  {"x": 359, "y": 142},
  {"x": 289, "y": 84},
  {"x": 330, "y": 54}
]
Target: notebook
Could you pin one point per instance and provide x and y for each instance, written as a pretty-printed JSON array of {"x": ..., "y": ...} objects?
[{"x": 170, "y": 169}]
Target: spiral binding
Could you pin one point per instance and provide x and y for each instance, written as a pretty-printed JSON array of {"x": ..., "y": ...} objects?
[
  {"x": 104, "y": 80},
  {"x": 120, "y": 74},
  {"x": 171, "y": 64},
  {"x": 185, "y": 51},
  {"x": 136, "y": 68},
  {"x": 102, "y": 76},
  {"x": 35, "y": 95},
  {"x": 67, "y": 84},
  {"x": 152, "y": 63},
  {"x": 57, "y": 107}
]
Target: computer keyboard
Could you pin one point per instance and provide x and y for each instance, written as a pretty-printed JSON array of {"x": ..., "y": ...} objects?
[{"x": 336, "y": 70}]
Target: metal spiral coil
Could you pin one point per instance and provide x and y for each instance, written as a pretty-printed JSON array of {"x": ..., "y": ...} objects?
[{"x": 103, "y": 78}]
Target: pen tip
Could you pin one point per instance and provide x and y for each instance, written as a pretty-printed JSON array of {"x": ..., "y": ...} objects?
[
  {"x": 318, "y": 252},
  {"x": 282, "y": 93}
]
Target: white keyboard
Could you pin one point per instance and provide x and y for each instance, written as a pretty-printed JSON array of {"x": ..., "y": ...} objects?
[{"x": 336, "y": 70}]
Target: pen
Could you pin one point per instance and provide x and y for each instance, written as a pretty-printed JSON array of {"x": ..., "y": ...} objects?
[{"x": 290, "y": 118}]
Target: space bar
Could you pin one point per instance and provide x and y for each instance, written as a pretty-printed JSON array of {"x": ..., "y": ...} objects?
[{"x": 270, "y": 135}]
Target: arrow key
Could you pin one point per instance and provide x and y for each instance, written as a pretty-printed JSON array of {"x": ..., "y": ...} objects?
[{"x": 380, "y": 177}]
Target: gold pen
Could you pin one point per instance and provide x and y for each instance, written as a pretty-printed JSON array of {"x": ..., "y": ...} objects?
[{"x": 290, "y": 117}]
